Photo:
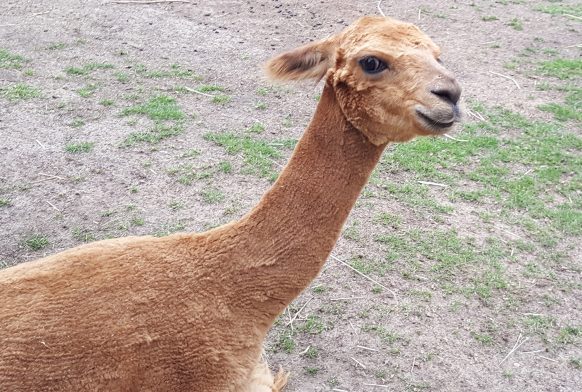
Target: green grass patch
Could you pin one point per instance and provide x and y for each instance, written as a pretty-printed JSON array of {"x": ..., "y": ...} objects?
[
  {"x": 371, "y": 266},
  {"x": 174, "y": 71},
  {"x": 561, "y": 9},
  {"x": 87, "y": 69},
  {"x": 263, "y": 91},
  {"x": 9, "y": 60},
  {"x": 569, "y": 335},
  {"x": 516, "y": 24},
  {"x": 449, "y": 258},
  {"x": 106, "y": 102},
  {"x": 225, "y": 167},
  {"x": 79, "y": 148},
  {"x": 483, "y": 338},
  {"x": 257, "y": 127},
  {"x": 212, "y": 196},
  {"x": 564, "y": 69},
  {"x": 36, "y": 242},
  {"x": 523, "y": 173},
  {"x": 260, "y": 105},
  {"x": 258, "y": 155},
  {"x": 121, "y": 77},
  {"x": 538, "y": 324},
  {"x": 221, "y": 99},
  {"x": 313, "y": 325},
  {"x": 286, "y": 342},
  {"x": 77, "y": 123},
  {"x": 5, "y": 202},
  {"x": 160, "y": 107},
  {"x": 570, "y": 110},
  {"x": 155, "y": 135},
  {"x": 186, "y": 174},
  {"x": 83, "y": 235},
  {"x": 427, "y": 157},
  {"x": 20, "y": 92},
  {"x": 385, "y": 334},
  {"x": 311, "y": 353},
  {"x": 388, "y": 220},
  {"x": 210, "y": 88},
  {"x": 87, "y": 91},
  {"x": 57, "y": 46}
]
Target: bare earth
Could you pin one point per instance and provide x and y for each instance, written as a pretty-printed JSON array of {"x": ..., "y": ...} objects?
[{"x": 448, "y": 331}]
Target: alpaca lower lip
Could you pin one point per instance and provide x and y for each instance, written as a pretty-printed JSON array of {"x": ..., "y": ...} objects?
[{"x": 434, "y": 124}]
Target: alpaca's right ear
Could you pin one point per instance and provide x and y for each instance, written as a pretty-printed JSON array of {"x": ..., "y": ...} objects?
[{"x": 309, "y": 61}]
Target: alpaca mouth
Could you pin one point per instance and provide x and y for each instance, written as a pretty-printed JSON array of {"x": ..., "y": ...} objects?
[{"x": 438, "y": 122}]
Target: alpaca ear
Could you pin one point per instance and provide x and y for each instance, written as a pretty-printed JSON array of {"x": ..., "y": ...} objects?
[{"x": 309, "y": 61}]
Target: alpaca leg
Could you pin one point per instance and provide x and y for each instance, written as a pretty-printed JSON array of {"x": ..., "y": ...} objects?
[
  {"x": 262, "y": 379},
  {"x": 280, "y": 380}
]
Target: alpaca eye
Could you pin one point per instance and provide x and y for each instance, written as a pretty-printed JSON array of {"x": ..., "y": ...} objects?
[{"x": 373, "y": 65}]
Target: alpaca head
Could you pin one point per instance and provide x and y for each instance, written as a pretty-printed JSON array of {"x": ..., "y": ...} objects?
[{"x": 387, "y": 77}]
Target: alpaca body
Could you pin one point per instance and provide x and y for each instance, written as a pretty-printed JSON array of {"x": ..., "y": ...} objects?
[
  {"x": 189, "y": 312},
  {"x": 126, "y": 314}
]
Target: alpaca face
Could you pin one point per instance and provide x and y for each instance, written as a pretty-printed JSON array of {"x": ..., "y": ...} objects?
[
  {"x": 390, "y": 82},
  {"x": 387, "y": 75}
]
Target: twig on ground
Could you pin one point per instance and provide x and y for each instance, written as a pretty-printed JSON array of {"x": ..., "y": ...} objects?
[
  {"x": 339, "y": 390},
  {"x": 380, "y": 8},
  {"x": 413, "y": 363},
  {"x": 365, "y": 276},
  {"x": 41, "y": 13},
  {"x": 549, "y": 359},
  {"x": 40, "y": 144},
  {"x": 146, "y": 1},
  {"x": 299, "y": 311},
  {"x": 433, "y": 184},
  {"x": 345, "y": 298},
  {"x": 517, "y": 344},
  {"x": 275, "y": 163},
  {"x": 53, "y": 206},
  {"x": 305, "y": 351},
  {"x": 375, "y": 385},
  {"x": 454, "y": 138},
  {"x": 358, "y": 362},
  {"x": 290, "y": 318},
  {"x": 50, "y": 176},
  {"x": 366, "y": 348},
  {"x": 573, "y": 16},
  {"x": 477, "y": 115},
  {"x": 191, "y": 90},
  {"x": 510, "y": 233},
  {"x": 352, "y": 325},
  {"x": 506, "y": 77}
]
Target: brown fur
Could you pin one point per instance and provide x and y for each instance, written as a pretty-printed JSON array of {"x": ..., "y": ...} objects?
[{"x": 189, "y": 312}]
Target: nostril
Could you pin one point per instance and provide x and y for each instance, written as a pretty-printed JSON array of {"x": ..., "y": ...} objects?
[{"x": 450, "y": 95}]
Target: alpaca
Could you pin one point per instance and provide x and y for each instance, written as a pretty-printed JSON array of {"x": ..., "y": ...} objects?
[{"x": 190, "y": 311}]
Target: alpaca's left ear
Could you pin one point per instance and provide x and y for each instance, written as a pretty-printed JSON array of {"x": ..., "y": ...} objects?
[{"x": 310, "y": 61}]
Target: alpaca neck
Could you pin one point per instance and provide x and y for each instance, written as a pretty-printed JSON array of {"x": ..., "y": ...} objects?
[{"x": 297, "y": 222}]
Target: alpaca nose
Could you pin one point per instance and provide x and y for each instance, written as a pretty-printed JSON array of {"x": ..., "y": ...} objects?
[{"x": 449, "y": 92}]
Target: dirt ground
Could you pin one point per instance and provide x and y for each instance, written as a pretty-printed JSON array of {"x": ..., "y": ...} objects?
[{"x": 80, "y": 160}]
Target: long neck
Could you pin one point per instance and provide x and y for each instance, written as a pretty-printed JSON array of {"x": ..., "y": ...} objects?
[{"x": 298, "y": 221}]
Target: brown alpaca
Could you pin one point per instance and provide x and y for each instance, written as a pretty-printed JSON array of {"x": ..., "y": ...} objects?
[{"x": 189, "y": 312}]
